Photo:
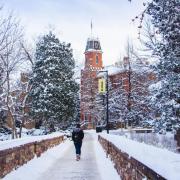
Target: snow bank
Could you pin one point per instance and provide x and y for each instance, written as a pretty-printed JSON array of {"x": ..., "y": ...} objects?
[
  {"x": 17, "y": 142},
  {"x": 162, "y": 161}
]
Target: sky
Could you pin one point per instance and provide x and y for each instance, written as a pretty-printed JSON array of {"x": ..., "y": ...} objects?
[{"x": 71, "y": 19}]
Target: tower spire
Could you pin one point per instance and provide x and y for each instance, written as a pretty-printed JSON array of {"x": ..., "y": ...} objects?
[{"x": 91, "y": 27}]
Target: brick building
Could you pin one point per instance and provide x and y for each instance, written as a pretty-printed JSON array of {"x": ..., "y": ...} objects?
[
  {"x": 120, "y": 77},
  {"x": 93, "y": 63},
  {"x": 21, "y": 106}
]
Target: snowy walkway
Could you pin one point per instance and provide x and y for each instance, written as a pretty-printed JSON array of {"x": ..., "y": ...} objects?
[
  {"x": 59, "y": 163},
  {"x": 70, "y": 169}
]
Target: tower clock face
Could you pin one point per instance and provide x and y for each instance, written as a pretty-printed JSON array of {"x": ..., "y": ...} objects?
[{"x": 96, "y": 45}]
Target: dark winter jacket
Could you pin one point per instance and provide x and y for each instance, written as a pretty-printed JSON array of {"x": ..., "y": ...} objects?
[{"x": 77, "y": 135}]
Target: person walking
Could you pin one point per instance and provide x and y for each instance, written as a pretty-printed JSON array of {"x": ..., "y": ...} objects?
[{"x": 77, "y": 137}]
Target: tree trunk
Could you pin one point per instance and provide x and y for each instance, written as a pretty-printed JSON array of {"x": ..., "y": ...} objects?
[
  {"x": 21, "y": 126},
  {"x": 14, "y": 131}
]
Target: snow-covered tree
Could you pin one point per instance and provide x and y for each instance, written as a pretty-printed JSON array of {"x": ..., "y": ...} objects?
[
  {"x": 128, "y": 93},
  {"x": 138, "y": 109},
  {"x": 53, "y": 87},
  {"x": 99, "y": 111},
  {"x": 165, "y": 16},
  {"x": 2, "y": 114},
  {"x": 1, "y": 88},
  {"x": 76, "y": 117},
  {"x": 10, "y": 59},
  {"x": 117, "y": 101}
]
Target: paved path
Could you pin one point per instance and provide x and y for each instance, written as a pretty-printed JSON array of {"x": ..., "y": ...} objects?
[{"x": 67, "y": 168}]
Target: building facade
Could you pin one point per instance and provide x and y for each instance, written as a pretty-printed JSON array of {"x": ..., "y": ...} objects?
[
  {"x": 128, "y": 88},
  {"x": 93, "y": 63}
]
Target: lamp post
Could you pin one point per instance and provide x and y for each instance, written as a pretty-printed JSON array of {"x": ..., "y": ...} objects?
[{"x": 107, "y": 101}]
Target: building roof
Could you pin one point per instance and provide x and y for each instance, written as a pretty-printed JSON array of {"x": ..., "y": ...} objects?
[
  {"x": 112, "y": 70},
  {"x": 137, "y": 68}
]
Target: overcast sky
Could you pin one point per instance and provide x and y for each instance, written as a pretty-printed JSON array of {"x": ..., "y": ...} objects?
[{"x": 71, "y": 18}]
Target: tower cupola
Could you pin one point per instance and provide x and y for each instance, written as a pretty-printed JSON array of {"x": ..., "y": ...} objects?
[
  {"x": 93, "y": 44},
  {"x": 93, "y": 54}
]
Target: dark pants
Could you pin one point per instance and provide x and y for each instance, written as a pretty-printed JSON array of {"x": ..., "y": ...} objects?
[{"x": 78, "y": 147}]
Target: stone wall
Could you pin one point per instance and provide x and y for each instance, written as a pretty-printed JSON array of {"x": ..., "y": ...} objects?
[
  {"x": 127, "y": 167},
  {"x": 11, "y": 159},
  {"x": 177, "y": 138}
]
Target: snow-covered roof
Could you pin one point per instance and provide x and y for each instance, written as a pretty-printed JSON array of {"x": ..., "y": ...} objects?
[
  {"x": 92, "y": 50},
  {"x": 112, "y": 70}
]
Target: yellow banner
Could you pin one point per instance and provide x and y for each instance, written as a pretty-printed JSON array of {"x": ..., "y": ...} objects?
[{"x": 102, "y": 86}]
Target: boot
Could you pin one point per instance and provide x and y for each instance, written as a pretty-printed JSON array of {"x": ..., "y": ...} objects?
[{"x": 77, "y": 157}]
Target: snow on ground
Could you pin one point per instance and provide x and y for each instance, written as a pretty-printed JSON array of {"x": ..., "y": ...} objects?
[
  {"x": 59, "y": 163},
  {"x": 17, "y": 142},
  {"x": 4, "y": 137},
  {"x": 60, "y": 159},
  {"x": 105, "y": 165},
  {"x": 162, "y": 161},
  {"x": 36, "y": 167}
]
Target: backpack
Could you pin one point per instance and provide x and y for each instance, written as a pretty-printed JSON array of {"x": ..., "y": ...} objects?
[{"x": 77, "y": 136}]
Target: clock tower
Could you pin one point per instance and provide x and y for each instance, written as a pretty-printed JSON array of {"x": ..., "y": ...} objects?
[
  {"x": 93, "y": 63},
  {"x": 93, "y": 54}
]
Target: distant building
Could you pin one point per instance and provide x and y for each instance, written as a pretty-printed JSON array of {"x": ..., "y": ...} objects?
[
  {"x": 18, "y": 97},
  {"x": 93, "y": 63},
  {"x": 118, "y": 78}
]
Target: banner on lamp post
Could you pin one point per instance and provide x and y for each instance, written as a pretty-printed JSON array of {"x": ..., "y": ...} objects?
[{"x": 102, "y": 86}]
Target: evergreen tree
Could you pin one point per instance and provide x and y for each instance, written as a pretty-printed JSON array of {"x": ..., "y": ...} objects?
[
  {"x": 53, "y": 87},
  {"x": 165, "y": 16},
  {"x": 77, "y": 109}
]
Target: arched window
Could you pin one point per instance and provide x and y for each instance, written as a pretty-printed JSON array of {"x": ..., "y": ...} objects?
[{"x": 97, "y": 59}]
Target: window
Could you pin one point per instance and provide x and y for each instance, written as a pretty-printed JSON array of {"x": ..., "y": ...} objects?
[
  {"x": 97, "y": 60},
  {"x": 91, "y": 44},
  {"x": 96, "y": 45},
  {"x": 86, "y": 117}
]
